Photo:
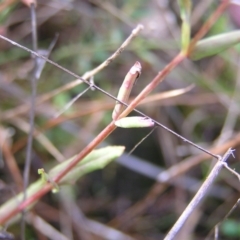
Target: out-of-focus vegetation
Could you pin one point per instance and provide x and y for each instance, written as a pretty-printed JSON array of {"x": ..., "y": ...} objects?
[{"x": 89, "y": 32}]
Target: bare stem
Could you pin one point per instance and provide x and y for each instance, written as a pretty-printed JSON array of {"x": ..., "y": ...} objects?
[
  {"x": 202, "y": 192},
  {"x": 28, "y": 159},
  {"x": 208, "y": 24}
]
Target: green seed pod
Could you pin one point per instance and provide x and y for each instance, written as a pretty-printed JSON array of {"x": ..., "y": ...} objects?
[{"x": 134, "y": 122}]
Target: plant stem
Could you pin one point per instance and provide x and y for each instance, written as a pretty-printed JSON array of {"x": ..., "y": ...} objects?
[
  {"x": 202, "y": 192},
  {"x": 208, "y": 24},
  {"x": 160, "y": 76},
  {"x": 33, "y": 80}
]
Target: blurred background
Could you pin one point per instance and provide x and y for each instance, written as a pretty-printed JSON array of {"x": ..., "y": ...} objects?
[{"x": 124, "y": 200}]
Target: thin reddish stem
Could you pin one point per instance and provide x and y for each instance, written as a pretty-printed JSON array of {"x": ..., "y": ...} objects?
[
  {"x": 109, "y": 129},
  {"x": 208, "y": 24},
  {"x": 161, "y": 75}
]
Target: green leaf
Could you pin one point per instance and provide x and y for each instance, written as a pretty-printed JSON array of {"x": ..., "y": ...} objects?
[
  {"x": 213, "y": 45},
  {"x": 185, "y": 13},
  {"x": 97, "y": 159}
]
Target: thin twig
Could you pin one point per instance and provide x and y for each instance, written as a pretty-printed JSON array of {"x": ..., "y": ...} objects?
[
  {"x": 86, "y": 76},
  {"x": 134, "y": 33},
  {"x": 131, "y": 107},
  {"x": 232, "y": 171},
  {"x": 30, "y": 133},
  {"x": 199, "y": 10},
  {"x": 167, "y": 176},
  {"x": 202, "y": 192},
  {"x": 216, "y": 228},
  {"x": 31, "y": 117},
  {"x": 32, "y": 107},
  {"x": 69, "y": 104},
  {"x": 99, "y": 106},
  {"x": 190, "y": 162},
  {"x": 209, "y": 23},
  {"x": 144, "y": 138},
  {"x": 232, "y": 113}
]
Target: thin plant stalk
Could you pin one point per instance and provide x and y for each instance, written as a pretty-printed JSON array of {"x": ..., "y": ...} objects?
[
  {"x": 161, "y": 75},
  {"x": 33, "y": 80},
  {"x": 216, "y": 228},
  {"x": 23, "y": 108},
  {"x": 32, "y": 107},
  {"x": 69, "y": 104},
  {"x": 143, "y": 139},
  {"x": 164, "y": 178},
  {"x": 200, "y": 195},
  {"x": 208, "y": 24}
]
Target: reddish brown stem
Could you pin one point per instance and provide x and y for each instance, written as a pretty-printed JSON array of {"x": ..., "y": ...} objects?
[
  {"x": 160, "y": 76},
  {"x": 26, "y": 203},
  {"x": 208, "y": 24}
]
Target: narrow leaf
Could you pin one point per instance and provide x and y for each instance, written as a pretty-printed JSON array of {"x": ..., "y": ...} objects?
[
  {"x": 213, "y": 45},
  {"x": 185, "y": 13},
  {"x": 97, "y": 159}
]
